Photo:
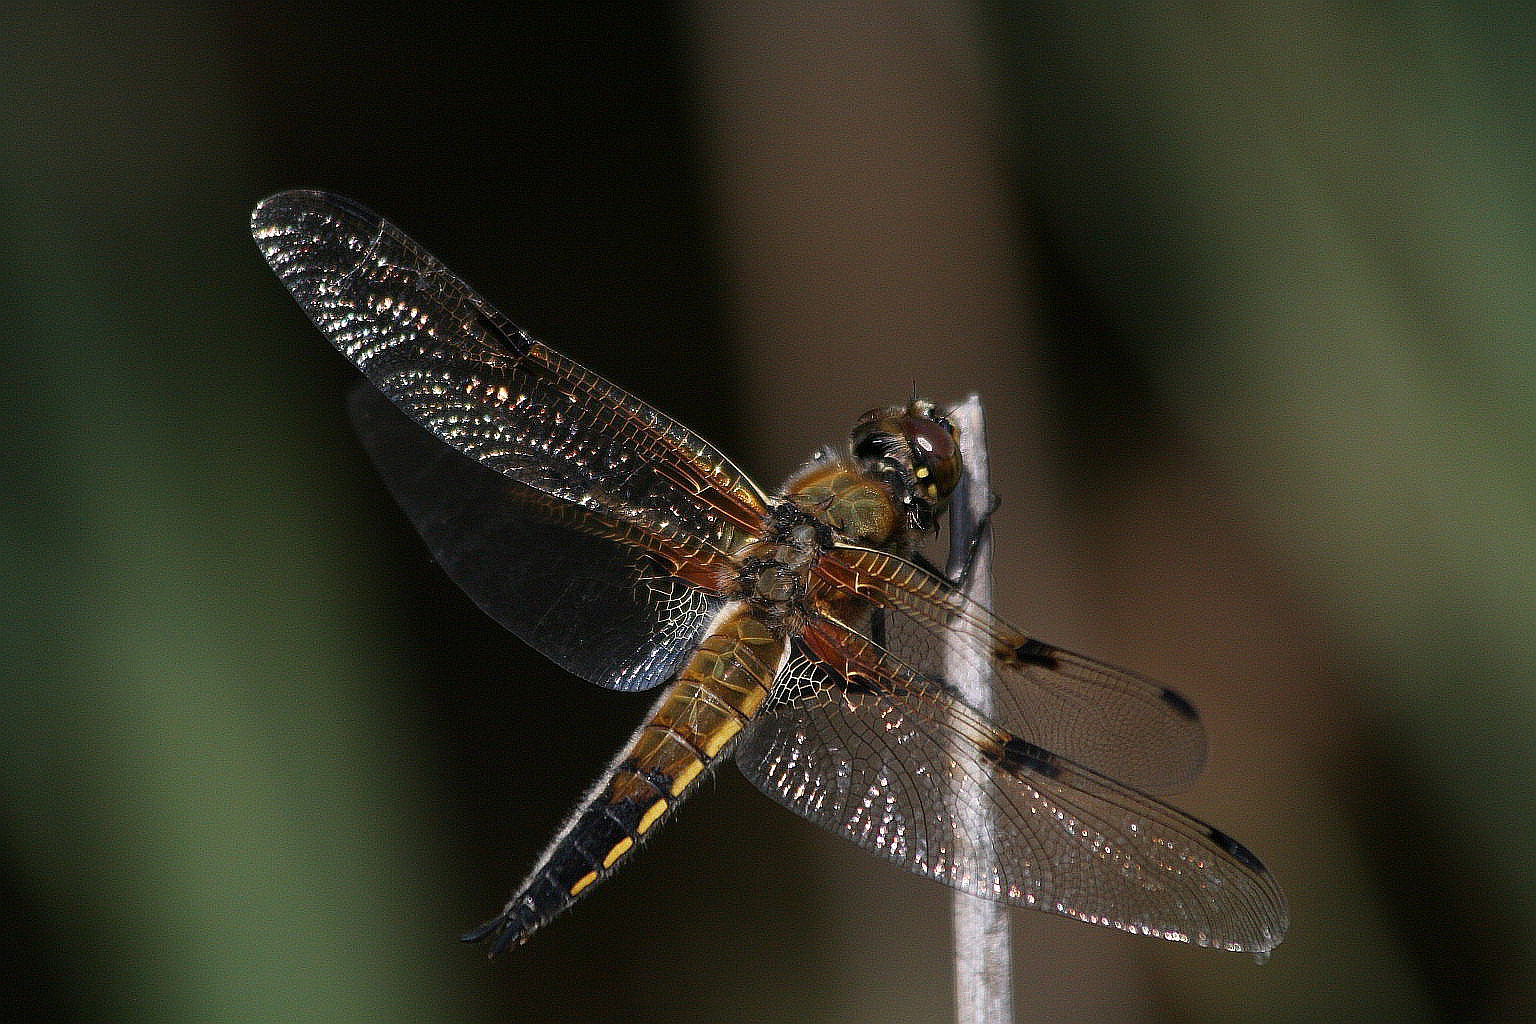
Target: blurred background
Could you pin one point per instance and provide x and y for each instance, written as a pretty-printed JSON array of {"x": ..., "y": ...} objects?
[{"x": 1249, "y": 291}]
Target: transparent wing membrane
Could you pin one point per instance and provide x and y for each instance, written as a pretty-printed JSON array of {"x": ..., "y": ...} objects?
[
  {"x": 873, "y": 751},
  {"x": 599, "y": 597},
  {"x": 1114, "y": 721},
  {"x": 475, "y": 380}
]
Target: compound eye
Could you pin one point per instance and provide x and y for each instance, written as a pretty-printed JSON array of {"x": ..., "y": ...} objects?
[
  {"x": 935, "y": 457},
  {"x": 875, "y": 444}
]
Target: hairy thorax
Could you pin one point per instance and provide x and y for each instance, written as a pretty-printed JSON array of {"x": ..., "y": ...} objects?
[{"x": 825, "y": 503}]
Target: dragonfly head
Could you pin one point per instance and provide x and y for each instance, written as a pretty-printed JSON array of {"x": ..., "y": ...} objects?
[{"x": 914, "y": 448}]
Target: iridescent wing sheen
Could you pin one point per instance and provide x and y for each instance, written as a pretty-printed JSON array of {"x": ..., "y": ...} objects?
[
  {"x": 884, "y": 756},
  {"x": 597, "y": 527},
  {"x": 479, "y": 383},
  {"x": 1113, "y": 721},
  {"x": 619, "y": 602}
]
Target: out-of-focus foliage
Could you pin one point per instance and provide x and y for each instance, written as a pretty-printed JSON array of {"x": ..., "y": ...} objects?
[{"x": 1312, "y": 227}]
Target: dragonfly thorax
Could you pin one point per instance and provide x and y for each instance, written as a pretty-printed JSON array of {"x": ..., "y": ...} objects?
[
  {"x": 853, "y": 505},
  {"x": 774, "y": 572}
]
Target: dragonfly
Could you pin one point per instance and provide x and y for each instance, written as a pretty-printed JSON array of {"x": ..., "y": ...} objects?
[{"x": 800, "y": 632}]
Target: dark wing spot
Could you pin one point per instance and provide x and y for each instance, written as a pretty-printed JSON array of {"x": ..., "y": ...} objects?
[
  {"x": 1180, "y": 703},
  {"x": 1022, "y": 755},
  {"x": 1033, "y": 652},
  {"x": 516, "y": 342},
  {"x": 1239, "y": 852},
  {"x": 856, "y": 682},
  {"x": 877, "y": 628}
]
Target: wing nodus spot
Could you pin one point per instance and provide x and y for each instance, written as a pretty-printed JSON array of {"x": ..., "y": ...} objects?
[
  {"x": 1033, "y": 652},
  {"x": 1021, "y": 755},
  {"x": 516, "y": 341}
]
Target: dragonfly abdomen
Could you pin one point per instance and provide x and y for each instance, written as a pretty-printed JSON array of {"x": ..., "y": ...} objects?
[{"x": 693, "y": 725}]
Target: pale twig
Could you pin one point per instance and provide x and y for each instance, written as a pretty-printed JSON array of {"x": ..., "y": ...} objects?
[{"x": 983, "y": 945}]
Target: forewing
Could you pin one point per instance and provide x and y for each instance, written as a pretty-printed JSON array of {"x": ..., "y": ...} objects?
[
  {"x": 868, "y": 748},
  {"x": 474, "y": 379},
  {"x": 618, "y": 602},
  {"x": 1114, "y": 721}
]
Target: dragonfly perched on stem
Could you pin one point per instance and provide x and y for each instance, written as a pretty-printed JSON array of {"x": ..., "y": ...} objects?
[{"x": 798, "y": 632}]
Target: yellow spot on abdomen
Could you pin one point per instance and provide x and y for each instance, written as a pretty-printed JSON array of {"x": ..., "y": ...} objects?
[
  {"x": 686, "y": 776},
  {"x": 721, "y": 736},
  {"x": 620, "y": 848},
  {"x": 649, "y": 818},
  {"x": 582, "y": 882}
]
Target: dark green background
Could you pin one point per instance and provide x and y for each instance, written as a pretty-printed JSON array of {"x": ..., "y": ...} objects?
[{"x": 262, "y": 762}]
